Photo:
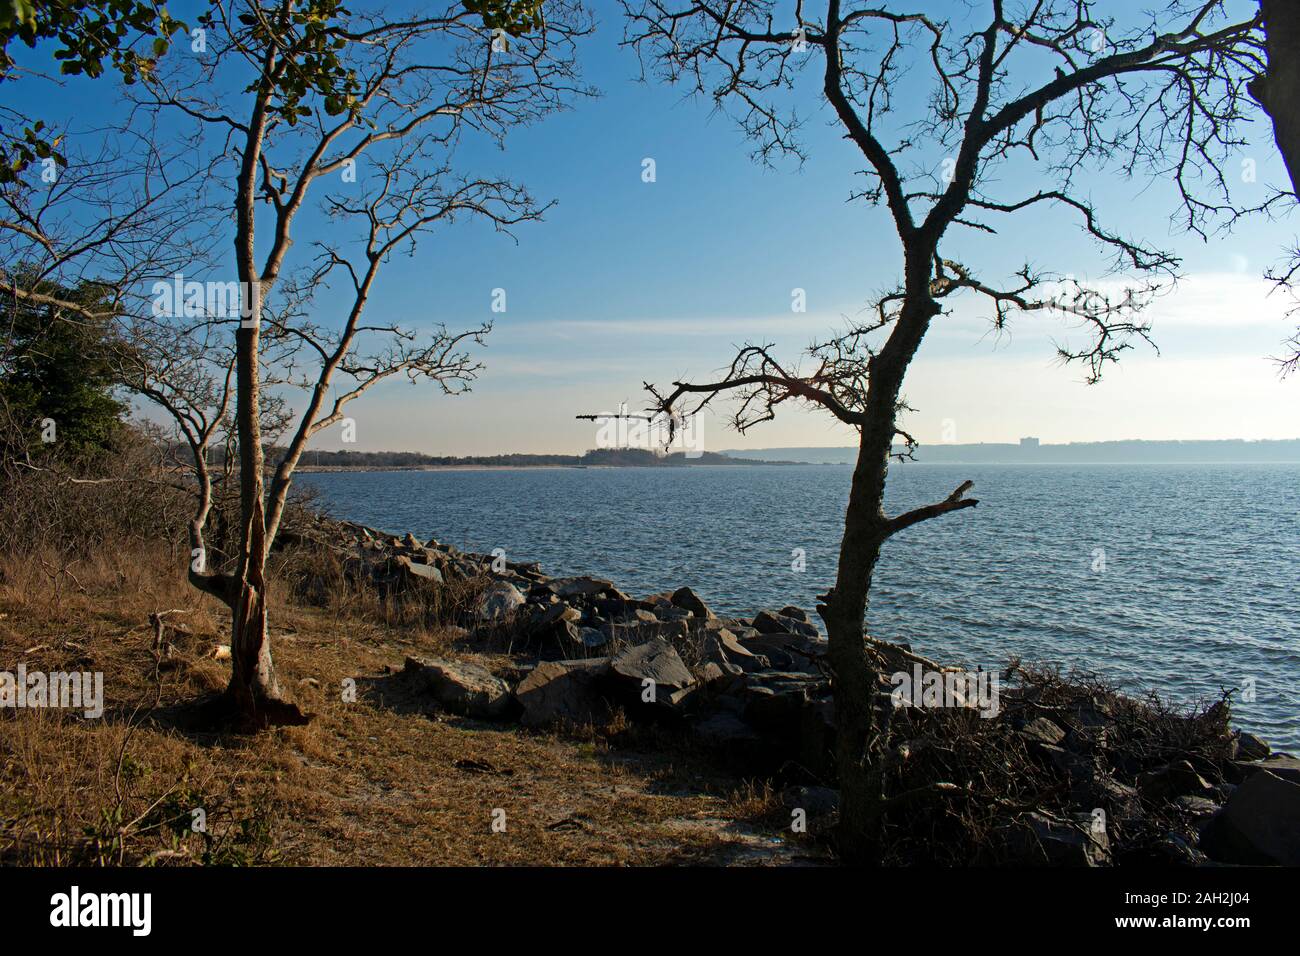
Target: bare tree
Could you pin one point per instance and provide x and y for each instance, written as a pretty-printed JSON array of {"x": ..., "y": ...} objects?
[
  {"x": 1055, "y": 83},
  {"x": 363, "y": 110}
]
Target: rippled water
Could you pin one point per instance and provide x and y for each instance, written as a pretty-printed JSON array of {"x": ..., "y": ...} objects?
[{"x": 1181, "y": 578}]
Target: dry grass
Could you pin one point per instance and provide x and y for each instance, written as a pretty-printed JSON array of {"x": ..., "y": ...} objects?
[{"x": 369, "y": 783}]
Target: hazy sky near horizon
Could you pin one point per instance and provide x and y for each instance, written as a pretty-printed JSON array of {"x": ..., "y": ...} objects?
[{"x": 627, "y": 281}]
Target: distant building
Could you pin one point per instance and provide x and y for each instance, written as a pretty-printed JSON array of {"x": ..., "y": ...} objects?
[{"x": 1029, "y": 443}]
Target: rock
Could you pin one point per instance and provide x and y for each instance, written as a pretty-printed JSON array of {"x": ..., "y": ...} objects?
[
  {"x": 1043, "y": 731},
  {"x": 1121, "y": 802},
  {"x": 417, "y": 571},
  {"x": 553, "y": 614},
  {"x": 410, "y": 541},
  {"x": 1039, "y": 840},
  {"x": 461, "y": 687},
  {"x": 581, "y": 587},
  {"x": 1259, "y": 825},
  {"x": 562, "y": 690},
  {"x": 765, "y": 622},
  {"x": 787, "y": 652},
  {"x": 688, "y": 600},
  {"x": 799, "y": 614},
  {"x": 1288, "y": 768},
  {"x": 1250, "y": 747},
  {"x": 1175, "y": 780},
  {"x": 656, "y": 661},
  {"x": 1197, "y": 807},
  {"x": 590, "y": 637},
  {"x": 498, "y": 600},
  {"x": 725, "y": 651},
  {"x": 670, "y": 613},
  {"x": 711, "y": 672}
]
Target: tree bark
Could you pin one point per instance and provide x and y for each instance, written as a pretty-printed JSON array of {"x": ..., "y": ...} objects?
[
  {"x": 1278, "y": 91},
  {"x": 253, "y": 695},
  {"x": 854, "y": 674}
]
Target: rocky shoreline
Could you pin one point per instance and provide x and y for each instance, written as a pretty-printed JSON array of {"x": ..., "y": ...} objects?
[{"x": 1060, "y": 770}]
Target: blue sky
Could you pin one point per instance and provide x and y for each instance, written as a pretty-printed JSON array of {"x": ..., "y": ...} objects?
[{"x": 626, "y": 281}]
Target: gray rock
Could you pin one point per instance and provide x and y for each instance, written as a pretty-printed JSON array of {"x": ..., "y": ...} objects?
[
  {"x": 723, "y": 649},
  {"x": 416, "y": 571},
  {"x": 1259, "y": 825},
  {"x": 498, "y": 600},
  {"x": 587, "y": 587},
  {"x": 654, "y": 660},
  {"x": 561, "y": 690},
  {"x": 765, "y": 622},
  {"x": 461, "y": 687},
  {"x": 1043, "y": 731},
  {"x": 688, "y": 600},
  {"x": 787, "y": 652},
  {"x": 1250, "y": 747},
  {"x": 552, "y": 614}
]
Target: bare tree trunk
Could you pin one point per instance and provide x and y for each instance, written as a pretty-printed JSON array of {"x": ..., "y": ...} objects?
[
  {"x": 253, "y": 693},
  {"x": 1279, "y": 91},
  {"x": 866, "y": 528}
]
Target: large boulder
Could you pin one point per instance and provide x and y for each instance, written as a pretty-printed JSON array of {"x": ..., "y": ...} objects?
[
  {"x": 461, "y": 687},
  {"x": 562, "y": 690},
  {"x": 498, "y": 601},
  {"x": 1260, "y": 824}
]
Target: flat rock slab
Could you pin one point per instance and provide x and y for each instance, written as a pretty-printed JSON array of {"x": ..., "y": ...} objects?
[
  {"x": 656, "y": 661},
  {"x": 461, "y": 687}
]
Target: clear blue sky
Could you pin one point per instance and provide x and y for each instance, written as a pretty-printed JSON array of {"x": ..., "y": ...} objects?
[{"x": 627, "y": 280}]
